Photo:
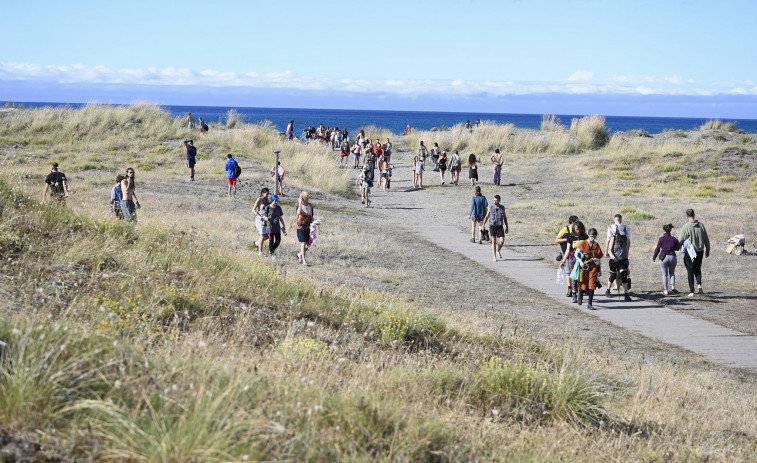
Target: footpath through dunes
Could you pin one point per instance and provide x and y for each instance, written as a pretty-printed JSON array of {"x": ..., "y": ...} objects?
[{"x": 439, "y": 214}]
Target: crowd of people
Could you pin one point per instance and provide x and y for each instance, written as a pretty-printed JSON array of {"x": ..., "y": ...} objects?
[{"x": 580, "y": 257}]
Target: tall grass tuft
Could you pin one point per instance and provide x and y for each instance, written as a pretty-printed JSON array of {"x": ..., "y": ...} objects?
[
  {"x": 717, "y": 124},
  {"x": 45, "y": 367},
  {"x": 208, "y": 423},
  {"x": 591, "y": 131},
  {"x": 551, "y": 123},
  {"x": 233, "y": 119}
]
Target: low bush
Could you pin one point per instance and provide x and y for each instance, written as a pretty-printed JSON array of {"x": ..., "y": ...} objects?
[{"x": 591, "y": 131}]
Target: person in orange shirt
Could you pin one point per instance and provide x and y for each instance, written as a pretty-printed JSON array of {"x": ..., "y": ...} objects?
[{"x": 589, "y": 267}]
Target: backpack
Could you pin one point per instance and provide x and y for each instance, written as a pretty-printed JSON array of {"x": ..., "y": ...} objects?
[
  {"x": 237, "y": 170},
  {"x": 620, "y": 242}
]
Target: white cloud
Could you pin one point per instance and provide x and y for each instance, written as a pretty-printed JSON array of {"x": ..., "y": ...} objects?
[
  {"x": 581, "y": 76},
  {"x": 581, "y": 82}
]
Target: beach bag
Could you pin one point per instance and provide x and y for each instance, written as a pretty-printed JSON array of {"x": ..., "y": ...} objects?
[
  {"x": 689, "y": 249},
  {"x": 485, "y": 235},
  {"x": 575, "y": 274}
]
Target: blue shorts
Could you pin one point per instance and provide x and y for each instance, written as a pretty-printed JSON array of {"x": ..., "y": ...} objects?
[{"x": 303, "y": 236}]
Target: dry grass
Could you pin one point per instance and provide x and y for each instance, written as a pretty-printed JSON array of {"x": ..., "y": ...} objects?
[{"x": 158, "y": 344}]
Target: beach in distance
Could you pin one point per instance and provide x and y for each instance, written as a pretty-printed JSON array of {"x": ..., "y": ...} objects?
[{"x": 396, "y": 121}]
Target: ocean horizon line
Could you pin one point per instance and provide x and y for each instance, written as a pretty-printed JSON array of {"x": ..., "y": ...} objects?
[{"x": 417, "y": 119}]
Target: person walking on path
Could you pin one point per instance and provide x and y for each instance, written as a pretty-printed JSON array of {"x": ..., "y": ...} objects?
[
  {"x": 57, "y": 184},
  {"x": 203, "y": 125},
  {"x": 276, "y": 225},
  {"x": 384, "y": 174},
  {"x": 618, "y": 248},
  {"x": 290, "y": 130},
  {"x": 422, "y": 152},
  {"x": 497, "y": 163},
  {"x": 590, "y": 267},
  {"x": 388, "y": 150},
  {"x": 191, "y": 156},
  {"x": 356, "y": 154},
  {"x": 435, "y": 152},
  {"x": 455, "y": 166},
  {"x": 344, "y": 148},
  {"x": 365, "y": 186},
  {"x": 442, "y": 163},
  {"x": 190, "y": 121},
  {"x": 666, "y": 248},
  {"x": 472, "y": 169},
  {"x": 116, "y": 196},
  {"x": 562, "y": 240},
  {"x": 260, "y": 209},
  {"x": 231, "y": 174},
  {"x": 304, "y": 219},
  {"x": 695, "y": 232},
  {"x": 418, "y": 172},
  {"x": 130, "y": 203},
  {"x": 477, "y": 213},
  {"x": 578, "y": 232},
  {"x": 498, "y": 226}
]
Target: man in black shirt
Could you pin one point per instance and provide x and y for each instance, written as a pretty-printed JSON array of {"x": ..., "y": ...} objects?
[
  {"x": 191, "y": 154},
  {"x": 56, "y": 183}
]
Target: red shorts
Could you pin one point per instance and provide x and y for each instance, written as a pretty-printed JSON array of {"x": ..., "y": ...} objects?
[
  {"x": 231, "y": 180},
  {"x": 345, "y": 153}
]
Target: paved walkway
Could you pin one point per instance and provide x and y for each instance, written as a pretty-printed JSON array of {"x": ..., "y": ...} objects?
[{"x": 715, "y": 343}]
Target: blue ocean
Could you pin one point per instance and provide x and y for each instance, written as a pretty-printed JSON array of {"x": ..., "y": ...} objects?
[{"x": 396, "y": 121}]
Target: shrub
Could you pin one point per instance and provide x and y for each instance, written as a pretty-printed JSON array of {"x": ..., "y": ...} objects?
[
  {"x": 591, "y": 131},
  {"x": 680, "y": 134},
  {"x": 719, "y": 137}
]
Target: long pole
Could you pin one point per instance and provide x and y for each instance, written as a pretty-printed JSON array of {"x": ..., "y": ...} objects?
[{"x": 276, "y": 170}]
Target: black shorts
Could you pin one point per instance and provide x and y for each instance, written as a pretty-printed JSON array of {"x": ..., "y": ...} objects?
[
  {"x": 303, "y": 236},
  {"x": 497, "y": 231},
  {"x": 190, "y": 163},
  {"x": 619, "y": 265}
]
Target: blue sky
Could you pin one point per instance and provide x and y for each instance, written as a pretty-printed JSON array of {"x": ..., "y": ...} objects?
[{"x": 418, "y": 55}]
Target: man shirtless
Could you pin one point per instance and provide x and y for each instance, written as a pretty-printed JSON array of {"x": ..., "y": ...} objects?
[{"x": 130, "y": 203}]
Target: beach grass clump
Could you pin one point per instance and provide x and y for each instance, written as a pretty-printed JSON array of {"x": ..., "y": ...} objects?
[
  {"x": 551, "y": 123},
  {"x": 538, "y": 390},
  {"x": 47, "y": 366},
  {"x": 233, "y": 119},
  {"x": 488, "y": 136},
  {"x": 591, "y": 131},
  {"x": 717, "y": 124}
]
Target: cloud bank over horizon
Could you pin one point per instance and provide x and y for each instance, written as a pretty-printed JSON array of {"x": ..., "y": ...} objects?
[
  {"x": 580, "y": 82},
  {"x": 580, "y": 93}
]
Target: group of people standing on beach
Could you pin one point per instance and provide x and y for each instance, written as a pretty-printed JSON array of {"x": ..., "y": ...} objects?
[{"x": 580, "y": 259}]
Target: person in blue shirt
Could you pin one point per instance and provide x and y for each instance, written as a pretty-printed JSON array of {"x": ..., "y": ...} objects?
[
  {"x": 191, "y": 155},
  {"x": 231, "y": 175},
  {"x": 477, "y": 213}
]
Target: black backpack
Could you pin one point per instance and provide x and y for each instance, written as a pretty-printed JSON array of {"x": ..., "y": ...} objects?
[{"x": 237, "y": 170}]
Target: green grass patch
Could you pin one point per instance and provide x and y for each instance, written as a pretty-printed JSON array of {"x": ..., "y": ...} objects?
[
  {"x": 632, "y": 191},
  {"x": 672, "y": 167}
]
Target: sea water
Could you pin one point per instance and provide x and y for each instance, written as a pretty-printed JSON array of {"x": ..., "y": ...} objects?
[{"x": 396, "y": 121}]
